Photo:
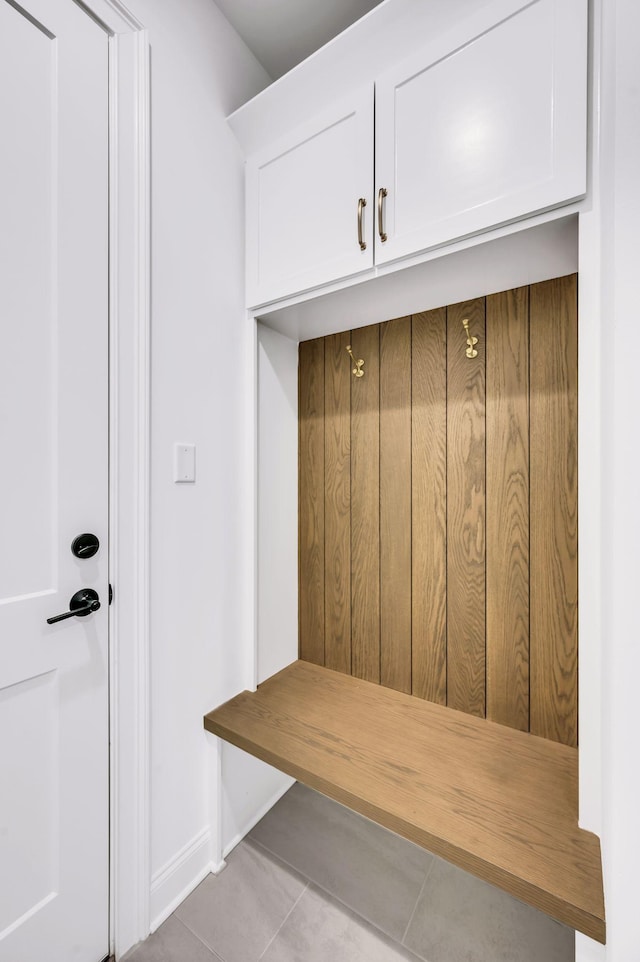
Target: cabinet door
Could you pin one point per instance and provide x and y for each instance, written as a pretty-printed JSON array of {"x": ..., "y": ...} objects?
[
  {"x": 302, "y": 203},
  {"x": 488, "y": 126}
]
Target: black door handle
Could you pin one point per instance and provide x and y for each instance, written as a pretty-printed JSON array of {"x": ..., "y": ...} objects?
[{"x": 83, "y": 603}]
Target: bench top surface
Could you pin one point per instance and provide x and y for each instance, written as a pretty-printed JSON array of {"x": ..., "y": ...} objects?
[{"x": 497, "y": 802}]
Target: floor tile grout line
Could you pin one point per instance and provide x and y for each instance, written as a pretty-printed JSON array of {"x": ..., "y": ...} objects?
[
  {"x": 215, "y": 955},
  {"x": 336, "y": 898},
  {"x": 265, "y": 848},
  {"x": 415, "y": 907},
  {"x": 276, "y": 934}
]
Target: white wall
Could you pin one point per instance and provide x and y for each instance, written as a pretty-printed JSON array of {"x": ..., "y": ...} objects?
[
  {"x": 389, "y": 33},
  {"x": 621, "y": 477},
  {"x": 200, "y": 71},
  {"x": 250, "y": 787},
  {"x": 610, "y": 783},
  {"x": 277, "y": 502}
]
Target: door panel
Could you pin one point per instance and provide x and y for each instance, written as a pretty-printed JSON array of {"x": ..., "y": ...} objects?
[
  {"x": 28, "y": 309},
  {"x": 54, "y": 438},
  {"x": 29, "y": 808}
]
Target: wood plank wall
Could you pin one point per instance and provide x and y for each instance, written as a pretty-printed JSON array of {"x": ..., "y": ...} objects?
[{"x": 438, "y": 507}]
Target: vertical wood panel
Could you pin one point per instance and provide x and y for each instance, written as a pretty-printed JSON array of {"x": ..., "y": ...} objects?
[
  {"x": 429, "y": 505},
  {"x": 337, "y": 512},
  {"x": 395, "y": 504},
  {"x": 365, "y": 507},
  {"x": 554, "y": 528},
  {"x": 507, "y": 325},
  {"x": 466, "y": 511},
  {"x": 397, "y": 573},
  {"x": 311, "y": 500}
]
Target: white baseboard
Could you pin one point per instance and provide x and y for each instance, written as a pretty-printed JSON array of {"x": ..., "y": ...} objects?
[
  {"x": 179, "y": 876},
  {"x": 171, "y": 884},
  {"x": 262, "y": 811}
]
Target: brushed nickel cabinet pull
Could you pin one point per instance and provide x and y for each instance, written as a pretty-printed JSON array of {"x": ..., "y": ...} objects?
[
  {"x": 382, "y": 193},
  {"x": 362, "y": 202}
]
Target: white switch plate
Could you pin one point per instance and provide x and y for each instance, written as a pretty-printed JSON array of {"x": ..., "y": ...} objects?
[{"x": 184, "y": 462}]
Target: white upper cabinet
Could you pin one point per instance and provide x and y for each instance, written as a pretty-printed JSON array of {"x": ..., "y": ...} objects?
[
  {"x": 486, "y": 126},
  {"x": 304, "y": 195}
]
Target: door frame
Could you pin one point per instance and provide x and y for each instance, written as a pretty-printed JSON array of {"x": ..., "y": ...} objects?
[{"x": 129, "y": 470}]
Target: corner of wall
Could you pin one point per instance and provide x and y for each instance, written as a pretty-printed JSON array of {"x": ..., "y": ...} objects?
[{"x": 250, "y": 789}]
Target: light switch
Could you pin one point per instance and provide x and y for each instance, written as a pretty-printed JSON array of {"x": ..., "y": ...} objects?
[{"x": 184, "y": 462}]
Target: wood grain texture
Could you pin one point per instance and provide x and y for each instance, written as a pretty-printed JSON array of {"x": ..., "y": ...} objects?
[
  {"x": 499, "y": 803},
  {"x": 395, "y": 504},
  {"x": 311, "y": 500},
  {"x": 554, "y": 509},
  {"x": 337, "y": 503},
  {"x": 365, "y": 507},
  {"x": 466, "y": 510},
  {"x": 429, "y": 505},
  {"x": 507, "y": 326},
  {"x": 399, "y": 582}
]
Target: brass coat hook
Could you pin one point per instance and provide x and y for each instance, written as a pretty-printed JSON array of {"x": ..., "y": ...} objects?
[
  {"x": 471, "y": 341},
  {"x": 357, "y": 370}
]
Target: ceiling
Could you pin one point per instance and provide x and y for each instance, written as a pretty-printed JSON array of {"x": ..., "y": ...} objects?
[{"x": 281, "y": 33}]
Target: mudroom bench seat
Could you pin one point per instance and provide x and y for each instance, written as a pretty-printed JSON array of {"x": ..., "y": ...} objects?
[{"x": 500, "y": 803}]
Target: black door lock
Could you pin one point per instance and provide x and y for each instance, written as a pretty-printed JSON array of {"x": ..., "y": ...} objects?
[{"x": 85, "y": 546}]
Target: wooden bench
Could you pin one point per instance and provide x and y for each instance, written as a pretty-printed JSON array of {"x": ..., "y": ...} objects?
[{"x": 500, "y": 803}]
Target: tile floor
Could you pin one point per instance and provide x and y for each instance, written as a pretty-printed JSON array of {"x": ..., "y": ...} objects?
[{"x": 314, "y": 882}]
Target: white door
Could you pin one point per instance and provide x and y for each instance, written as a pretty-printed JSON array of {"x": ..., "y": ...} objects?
[
  {"x": 487, "y": 125},
  {"x": 54, "y": 880},
  {"x": 306, "y": 221}
]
